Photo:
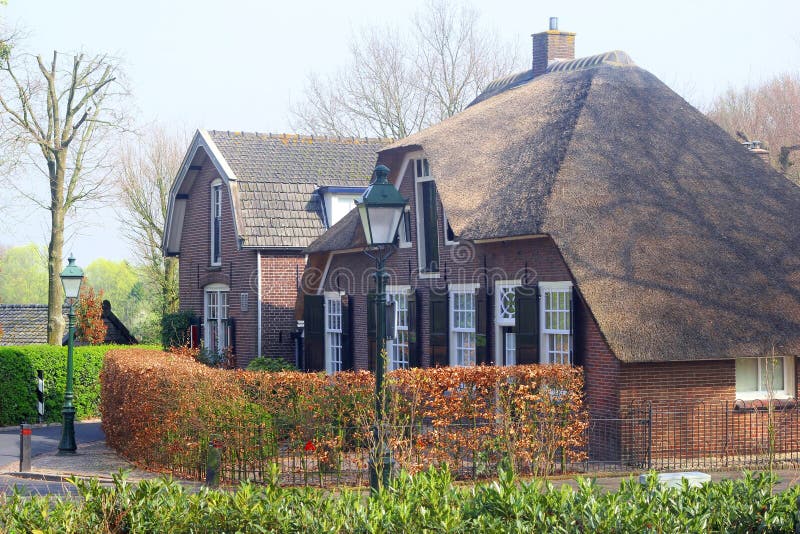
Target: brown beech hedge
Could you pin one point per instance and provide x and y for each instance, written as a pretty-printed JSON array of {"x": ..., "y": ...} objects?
[{"x": 164, "y": 410}]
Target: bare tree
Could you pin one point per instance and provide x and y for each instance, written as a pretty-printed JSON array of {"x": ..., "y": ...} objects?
[
  {"x": 145, "y": 172},
  {"x": 769, "y": 113},
  {"x": 396, "y": 84},
  {"x": 60, "y": 118}
]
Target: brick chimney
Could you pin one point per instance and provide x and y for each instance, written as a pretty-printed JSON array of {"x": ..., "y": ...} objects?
[{"x": 552, "y": 45}]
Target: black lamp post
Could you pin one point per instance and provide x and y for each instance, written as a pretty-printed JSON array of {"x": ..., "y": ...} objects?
[
  {"x": 381, "y": 210},
  {"x": 71, "y": 279}
]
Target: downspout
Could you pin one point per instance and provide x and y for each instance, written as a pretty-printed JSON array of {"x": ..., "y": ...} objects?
[{"x": 258, "y": 273}]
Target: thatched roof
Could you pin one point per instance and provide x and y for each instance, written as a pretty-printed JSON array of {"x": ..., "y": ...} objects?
[{"x": 683, "y": 244}]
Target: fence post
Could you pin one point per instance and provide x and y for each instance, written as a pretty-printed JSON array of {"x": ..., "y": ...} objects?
[
  {"x": 40, "y": 394},
  {"x": 213, "y": 462},
  {"x": 24, "y": 448}
]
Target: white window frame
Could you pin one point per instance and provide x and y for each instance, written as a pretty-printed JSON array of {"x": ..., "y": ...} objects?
[
  {"x": 216, "y": 213},
  {"x": 545, "y": 333},
  {"x": 457, "y": 334},
  {"x": 333, "y": 332},
  {"x": 418, "y": 181},
  {"x": 399, "y": 344},
  {"x": 788, "y": 382},
  {"x": 500, "y": 322},
  {"x": 215, "y": 316}
]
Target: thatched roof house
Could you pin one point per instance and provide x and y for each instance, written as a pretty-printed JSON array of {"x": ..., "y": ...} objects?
[{"x": 684, "y": 245}]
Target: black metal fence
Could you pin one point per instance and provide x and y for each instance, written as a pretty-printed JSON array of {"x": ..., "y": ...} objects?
[{"x": 706, "y": 435}]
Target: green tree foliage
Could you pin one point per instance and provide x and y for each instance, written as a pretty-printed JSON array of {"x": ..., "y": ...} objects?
[{"x": 23, "y": 275}]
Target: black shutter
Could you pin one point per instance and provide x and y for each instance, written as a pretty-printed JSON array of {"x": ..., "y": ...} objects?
[
  {"x": 526, "y": 326},
  {"x": 347, "y": 334},
  {"x": 372, "y": 335},
  {"x": 439, "y": 319},
  {"x": 232, "y": 335},
  {"x": 314, "y": 331},
  {"x": 413, "y": 335},
  {"x": 481, "y": 345},
  {"x": 430, "y": 226},
  {"x": 577, "y": 350}
]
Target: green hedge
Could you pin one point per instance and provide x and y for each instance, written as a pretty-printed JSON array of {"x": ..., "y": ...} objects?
[
  {"x": 18, "y": 366},
  {"x": 428, "y": 502}
]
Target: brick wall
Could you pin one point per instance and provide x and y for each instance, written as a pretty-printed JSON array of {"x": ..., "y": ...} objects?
[
  {"x": 279, "y": 273},
  {"x": 239, "y": 272},
  {"x": 552, "y": 44}
]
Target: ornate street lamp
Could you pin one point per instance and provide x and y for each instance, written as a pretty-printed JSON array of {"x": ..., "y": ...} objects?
[
  {"x": 381, "y": 210},
  {"x": 71, "y": 279}
]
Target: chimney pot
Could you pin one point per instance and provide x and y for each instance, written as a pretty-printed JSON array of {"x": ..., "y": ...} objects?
[{"x": 553, "y": 23}]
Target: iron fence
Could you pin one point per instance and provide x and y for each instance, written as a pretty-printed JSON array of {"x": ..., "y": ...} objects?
[{"x": 708, "y": 436}]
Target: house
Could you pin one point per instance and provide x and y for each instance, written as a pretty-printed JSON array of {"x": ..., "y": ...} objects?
[
  {"x": 241, "y": 210},
  {"x": 26, "y": 324},
  {"x": 580, "y": 213}
]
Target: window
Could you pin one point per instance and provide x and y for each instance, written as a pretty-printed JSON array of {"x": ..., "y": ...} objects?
[
  {"x": 404, "y": 230},
  {"x": 505, "y": 318},
  {"x": 397, "y": 348},
  {"x": 333, "y": 332},
  {"x": 556, "y": 322},
  {"x": 427, "y": 224},
  {"x": 760, "y": 378},
  {"x": 462, "y": 324},
  {"x": 216, "y": 223},
  {"x": 216, "y": 322}
]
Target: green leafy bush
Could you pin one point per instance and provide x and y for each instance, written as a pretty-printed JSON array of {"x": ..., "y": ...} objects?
[
  {"x": 272, "y": 365},
  {"x": 18, "y": 366},
  {"x": 426, "y": 502},
  {"x": 175, "y": 329}
]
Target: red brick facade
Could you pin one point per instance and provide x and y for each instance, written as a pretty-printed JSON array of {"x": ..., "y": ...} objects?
[
  {"x": 611, "y": 385},
  {"x": 239, "y": 271}
]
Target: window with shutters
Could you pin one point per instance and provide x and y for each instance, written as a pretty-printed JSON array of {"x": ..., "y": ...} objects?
[
  {"x": 462, "y": 324},
  {"x": 216, "y": 222},
  {"x": 556, "y": 322},
  {"x": 764, "y": 378},
  {"x": 427, "y": 220},
  {"x": 333, "y": 332},
  {"x": 505, "y": 320},
  {"x": 216, "y": 318},
  {"x": 397, "y": 348}
]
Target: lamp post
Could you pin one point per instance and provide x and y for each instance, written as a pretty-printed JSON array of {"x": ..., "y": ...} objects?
[
  {"x": 71, "y": 279},
  {"x": 380, "y": 210}
]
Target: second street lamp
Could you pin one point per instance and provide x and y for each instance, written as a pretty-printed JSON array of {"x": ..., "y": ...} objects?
[
  {"x": 71, "y": 279},
  {"x": 380, "y": 210}
]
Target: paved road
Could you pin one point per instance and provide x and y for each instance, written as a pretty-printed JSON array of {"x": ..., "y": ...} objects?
[{"x": 44, "y": 439}]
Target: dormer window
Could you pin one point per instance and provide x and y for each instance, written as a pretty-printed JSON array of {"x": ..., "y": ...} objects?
[
  {"x": 427, "y": 219},
  {"x": 338, "y": 202},
  {"x": 216, "y": 223}
]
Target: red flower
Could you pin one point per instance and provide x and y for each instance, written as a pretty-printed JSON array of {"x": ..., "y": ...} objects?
[{"x": 309, "y": 446}]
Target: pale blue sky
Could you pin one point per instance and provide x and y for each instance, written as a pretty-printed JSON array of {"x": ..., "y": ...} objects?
[{"x": 237, "y": 65}]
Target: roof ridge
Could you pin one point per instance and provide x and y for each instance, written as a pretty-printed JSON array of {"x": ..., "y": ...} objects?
[{"x": 303, "y": 137}]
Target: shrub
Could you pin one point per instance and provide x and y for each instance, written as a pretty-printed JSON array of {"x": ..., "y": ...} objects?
[
  {"x": 530, "y": 417},
  {"x": 90, "y": 327},
  {"x": 18, "y": 366},
  {"x": 272, "y": 365},
  {"x": 425, "y": 502},
  {"x": 175, "y": 329}
]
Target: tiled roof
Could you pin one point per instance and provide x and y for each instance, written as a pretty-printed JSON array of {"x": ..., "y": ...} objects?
[
  {"x": 23, "y": 324},
  {"x": 277, "y": 176}
]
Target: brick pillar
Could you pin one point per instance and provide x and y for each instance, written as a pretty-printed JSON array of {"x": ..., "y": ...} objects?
[{"x": 551, "y": 45}]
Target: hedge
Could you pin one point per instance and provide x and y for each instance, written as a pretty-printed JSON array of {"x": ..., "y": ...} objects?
[
  {"x": 428, "y": 502},
  {"x": 18, "y": 366},
  {"x": 160, "y": 410}
]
